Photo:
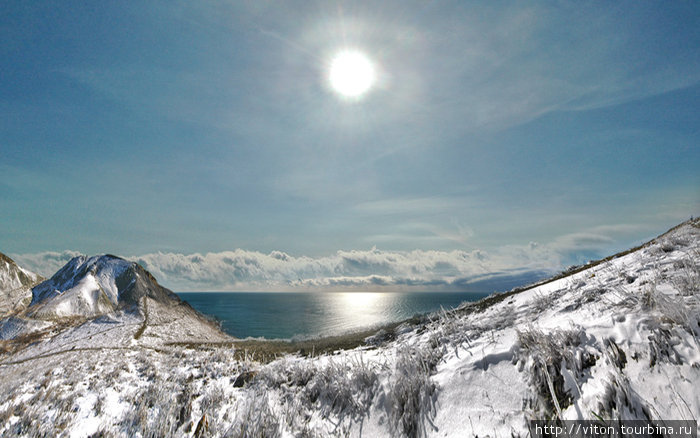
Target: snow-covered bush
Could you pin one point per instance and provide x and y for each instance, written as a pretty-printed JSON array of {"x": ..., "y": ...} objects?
[
  {"x": 342, "y": 388},
  {"x": 335, "y": 388},
  {"x": 542, "y": 301},
  {"x": 162, "y": 408},
  {"x": 411, "y": 391},
  {"x": 668, "y": 312},
  {"x": 621, "y": 402},
  {"x": 286, "y": 372},
  {"x": 687, "y": 278},
  {"x": 546, "y": 355},
  {"x": 255, "y": 418}
]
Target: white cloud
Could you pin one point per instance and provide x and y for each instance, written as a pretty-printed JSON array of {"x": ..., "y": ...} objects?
[
  {"x": 374, "y": 269},
  {"x": 357, "y": 269},
  {"x": 363, "y": 269},
  {"x": 44, "y": 263}
]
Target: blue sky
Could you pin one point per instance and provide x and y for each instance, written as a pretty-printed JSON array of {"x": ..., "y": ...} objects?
[{"x": 185, "y": 128}]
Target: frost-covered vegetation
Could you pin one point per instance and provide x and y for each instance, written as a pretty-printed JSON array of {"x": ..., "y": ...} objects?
[{"x": 616, "y": 340}]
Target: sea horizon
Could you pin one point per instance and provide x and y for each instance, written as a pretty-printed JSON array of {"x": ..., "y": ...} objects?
[{"x": 308, "y": 314}]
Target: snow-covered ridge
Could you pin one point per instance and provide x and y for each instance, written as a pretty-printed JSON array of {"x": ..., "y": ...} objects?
[
  {"x": 616, "y": 340},
  {"x": 100, "y": 271},
  {"x": 89, "y": 292},
  {"x": 13, "y": 276},
  {"x": 15, "y": 285},
  {"x": 91, "y": 286}
]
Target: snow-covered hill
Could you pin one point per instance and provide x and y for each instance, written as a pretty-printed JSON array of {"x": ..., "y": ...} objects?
[
  {"x": 91, "y": 286},
  {"x": 15, "y": 285},
  {"x": 91, "y": 293},
  {"x": 612, "y": 341}
]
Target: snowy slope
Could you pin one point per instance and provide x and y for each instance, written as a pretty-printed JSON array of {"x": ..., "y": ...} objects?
[
  {"x": 103, "y": 302},
  {"x": 617, "y": 340},
  {"x": 92, "y": 286},
  {"x": 15, "y": 285},
  {"x": 83, "y": 276}
]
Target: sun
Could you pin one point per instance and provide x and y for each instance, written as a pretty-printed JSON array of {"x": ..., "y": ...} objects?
[{"x": 351, "y": 73}]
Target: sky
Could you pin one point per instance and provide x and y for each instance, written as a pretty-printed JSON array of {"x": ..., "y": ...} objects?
[{"x": 205, "y": 140}]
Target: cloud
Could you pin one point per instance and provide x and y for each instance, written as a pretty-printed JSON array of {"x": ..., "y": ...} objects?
[
  {"x": 44, "y": 263},
  {"x": 357, "y": 269},
  {"x": 373, "y": 269}
]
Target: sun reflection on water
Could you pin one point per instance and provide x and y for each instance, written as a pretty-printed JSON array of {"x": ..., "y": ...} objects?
[{"x": 354, "y": 310}]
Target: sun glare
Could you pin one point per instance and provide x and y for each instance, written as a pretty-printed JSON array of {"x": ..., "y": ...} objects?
[{"x": 351, "y": 74}]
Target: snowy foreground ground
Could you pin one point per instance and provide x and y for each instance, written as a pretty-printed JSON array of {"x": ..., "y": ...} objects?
[{"x": 619, "y": 340}]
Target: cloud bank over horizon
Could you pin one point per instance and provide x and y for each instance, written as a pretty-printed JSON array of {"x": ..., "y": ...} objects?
[{"x": 373, "y": 269}]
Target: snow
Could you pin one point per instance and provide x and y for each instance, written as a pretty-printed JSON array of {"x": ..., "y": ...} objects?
[
  {"x": 619, "y": 340},
  {"x": 85, "y": 286},
  {"x": 10, "y": 275},
  {"x": 15, "y": 285},
  {"x": 13, "y": 327}
]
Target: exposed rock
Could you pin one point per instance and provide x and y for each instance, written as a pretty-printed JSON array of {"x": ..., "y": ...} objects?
[{"x": 15, "y": 285}]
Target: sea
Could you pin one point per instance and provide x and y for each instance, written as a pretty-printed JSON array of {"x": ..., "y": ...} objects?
[{"x": 300, "y": 315}]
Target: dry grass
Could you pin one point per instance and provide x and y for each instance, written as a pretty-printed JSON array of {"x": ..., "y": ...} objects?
[{"x": 545, "y": 354}]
